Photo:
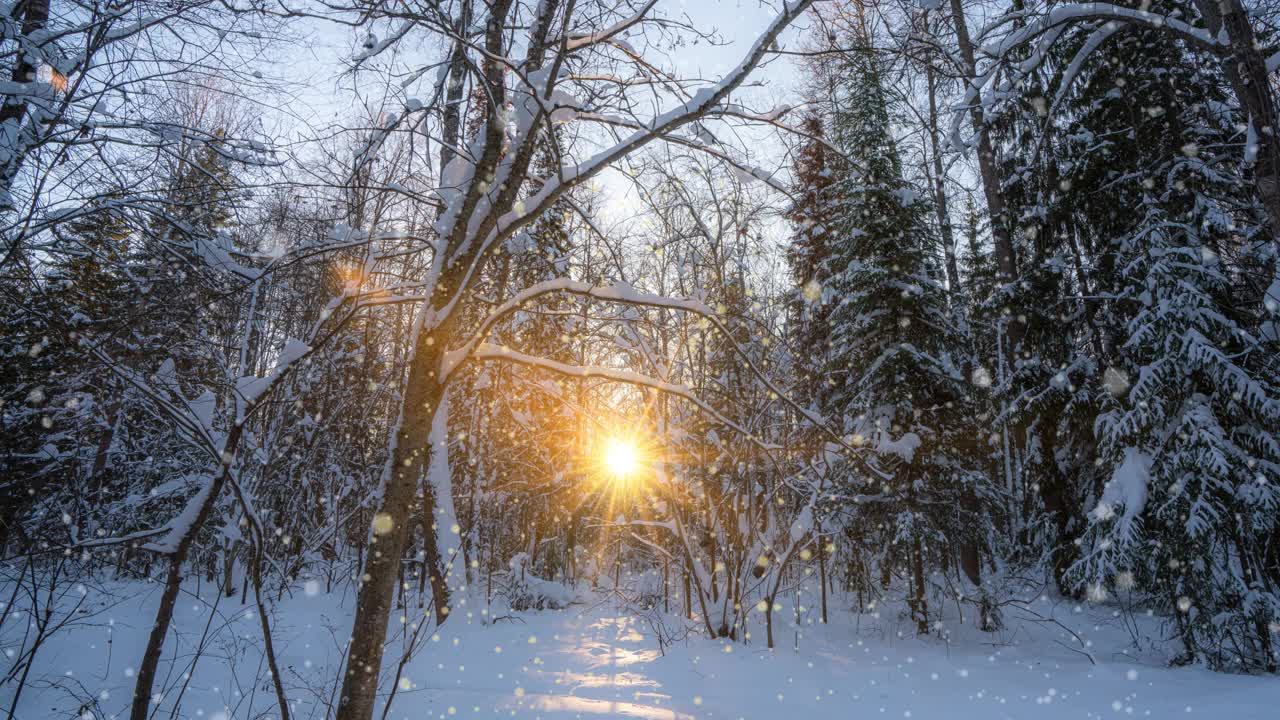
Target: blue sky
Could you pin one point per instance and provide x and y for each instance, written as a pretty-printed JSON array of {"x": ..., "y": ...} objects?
[
  {"x": 324, "y": 96},
  {"x": 312, "y": 66}
]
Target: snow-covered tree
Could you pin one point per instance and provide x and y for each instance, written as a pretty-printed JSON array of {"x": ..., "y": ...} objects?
[{"x": 897, "y": 382}]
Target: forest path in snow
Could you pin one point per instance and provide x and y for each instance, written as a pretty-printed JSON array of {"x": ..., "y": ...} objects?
[
  {"x": 598, "y": 666},
  {"x": 563, "y": 664}
]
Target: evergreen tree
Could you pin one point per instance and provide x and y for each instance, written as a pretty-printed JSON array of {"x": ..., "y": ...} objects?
[
  {"x": 1189, "y": 439},
  {"x": 817, "y": 204},
  {"x": 1186, "y": 442},
  {"x": 60, "y": 410},
  {"x": 1143, "y": 384},
  {"x": 901, "y": 391}
]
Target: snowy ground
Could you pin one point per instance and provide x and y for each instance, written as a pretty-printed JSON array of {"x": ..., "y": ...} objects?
[{"x": 593, "y": 661}]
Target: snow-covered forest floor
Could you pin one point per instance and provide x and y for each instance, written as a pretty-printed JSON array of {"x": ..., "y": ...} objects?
[{"x": 1054, "y": 659}]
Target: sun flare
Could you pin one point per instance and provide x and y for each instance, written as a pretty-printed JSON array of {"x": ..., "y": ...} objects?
[{"x": 621, "y": 458}]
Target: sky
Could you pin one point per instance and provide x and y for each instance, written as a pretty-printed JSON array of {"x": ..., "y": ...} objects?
[
  {"x": 738, "y": 23},
  {"x": 311, "y": 68},
  {"x": 311, "y": 64}
]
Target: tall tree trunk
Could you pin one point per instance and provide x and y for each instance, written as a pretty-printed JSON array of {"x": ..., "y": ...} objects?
[
  {"x": 940, "y": 191},
  {"x": 1247, "y": 72},
  {"x": 405, "y": 466},
  {"x": 452, "y": 122},
  {"x": 1002, "y": 239}
]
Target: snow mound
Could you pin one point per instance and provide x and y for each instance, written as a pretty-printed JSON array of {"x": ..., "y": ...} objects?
[{"x": 525, "y": 591}]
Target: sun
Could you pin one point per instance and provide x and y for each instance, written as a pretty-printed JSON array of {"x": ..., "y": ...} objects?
[
  {"x": 621, "y": 458},
  {"x": 620, "y": 463}
]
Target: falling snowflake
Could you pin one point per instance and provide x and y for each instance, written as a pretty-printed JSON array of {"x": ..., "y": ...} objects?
[
  {"x": 812, "y": 291},
  {"x": 1115, "y": 382},
  {"x": 981, "y": 377}
]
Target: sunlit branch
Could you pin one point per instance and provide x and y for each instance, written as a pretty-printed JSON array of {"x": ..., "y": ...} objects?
[{"x": 489, "y": 352}]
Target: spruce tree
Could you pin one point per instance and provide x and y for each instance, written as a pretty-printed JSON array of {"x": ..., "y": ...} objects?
[
  {"x": 1184, "y": 504},
  {"x": 901, "y": 391},
  {"x": 816, "y": 206},
  {"x": 1143, "y": 381},
  {"x": 1189, "y": 439}
]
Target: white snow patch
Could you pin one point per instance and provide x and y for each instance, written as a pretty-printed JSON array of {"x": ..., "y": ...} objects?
[{"x": 1126, "y": 493}]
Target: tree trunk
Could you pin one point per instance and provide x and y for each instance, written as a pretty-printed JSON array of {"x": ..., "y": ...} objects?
[
  {"x": 1057, "y": 505},
  {"x": 405, "y": 465},
  {"x": 970, "y": 557},
  {"x": 571, "y": 549},
  {"x": 768, "y": 622},
  {"x": 666, "y": 587},
  {"x": 35, "y": 15},
  {"x": 451, "y": 128},
  {"x": 228, "y": 570},
  {"x": 688, "y": 599},
  {"x": 433, "y": 567},
  {"x": 1002, "y": 239},
  {"x": 940, "y": 191},
  {"x": 822, "y": 575},
  {"x": 1247, "y": 72},
  {"x": 920, "y": 603},
  {"x": 169, "y": 598},
  {"x": 268, "y": 645},
  {"x": 101, "y": 455}
]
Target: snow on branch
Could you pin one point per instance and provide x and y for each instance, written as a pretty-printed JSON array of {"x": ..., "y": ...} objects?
[
  {"x": 1125, "y": 495},
  {"x": 702, "y": 102},
  {"x": 250, "y": 389},
  {"x": 1076, "y": 12},
  {"x": 1094, "y": 42},
  {"x": 181, "y": 525},
  {"x": 611, "y": 33},
  {"x": 374, "y": 47}
]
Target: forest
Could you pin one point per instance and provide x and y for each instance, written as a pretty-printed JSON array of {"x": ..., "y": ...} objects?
[{"x": 659, "y": 359}]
